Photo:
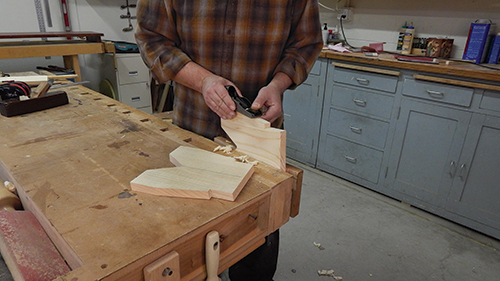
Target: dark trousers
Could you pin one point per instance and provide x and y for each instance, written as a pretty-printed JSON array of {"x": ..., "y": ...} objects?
[{"x": 259, "y": 265}]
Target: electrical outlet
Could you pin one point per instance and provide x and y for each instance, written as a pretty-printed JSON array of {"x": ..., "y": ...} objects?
[{"x": 345, "y": 14}]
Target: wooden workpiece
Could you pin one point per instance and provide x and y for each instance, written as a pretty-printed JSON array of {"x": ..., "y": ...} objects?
[
  {"x": 72, "y": 166},
  {"x": 198, "y": 174},
  {"x": 256, "y": 137}
]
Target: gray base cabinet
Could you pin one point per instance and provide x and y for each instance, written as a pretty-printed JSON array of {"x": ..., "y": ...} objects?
[
  {"x": 475, "y": 193},
  {"x": 427, "y": 145},
  {"x": 424, "y": 139},
  {"x": 356, "y": 124},
  {"x": 302, "y": 108}
]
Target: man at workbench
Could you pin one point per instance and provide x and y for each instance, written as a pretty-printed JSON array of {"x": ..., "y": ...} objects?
[{"x": 260, "y": 47}]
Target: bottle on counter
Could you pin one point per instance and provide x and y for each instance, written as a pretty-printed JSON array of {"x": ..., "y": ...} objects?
[
  {"x": 401, "y": 36},
  {"x": 408, "y": 40},
  {"x": 324, "y": 32}
]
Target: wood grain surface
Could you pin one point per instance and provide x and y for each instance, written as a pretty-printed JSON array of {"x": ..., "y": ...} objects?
[
  {"x": 198, "y": 174},
  {"x": 73, "y": 165}
]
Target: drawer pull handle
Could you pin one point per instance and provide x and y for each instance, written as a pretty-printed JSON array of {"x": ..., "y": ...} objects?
[
  {"x": 463, "y": 172},
  {"x": 350, "y": 159},
  {"x": 359, "y": 102},
  {"x": 453, "y": 169},
  {"x": 133, "y": 73},
  {"x": 363, "y": 81},
  {"x": 355, "y": 129},
  {"x": 436, "y": 94},
  {"x": 136, "y": 98},
  {"x": 252, "y": 216}
]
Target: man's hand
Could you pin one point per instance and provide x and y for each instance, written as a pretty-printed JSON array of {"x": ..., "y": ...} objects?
[
  {"x": 269, "y": 97},
  {"x": 210, "y": 86},
  {"x": 217, "y": 97},
  {"x": 269, "y": 102}
]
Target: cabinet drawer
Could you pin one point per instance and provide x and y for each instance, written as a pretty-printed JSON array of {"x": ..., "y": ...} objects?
[
  {"x": 358, "y": 128},
  {"x": 366, "y": 79},
  {"x": 361, "y": 101},
  {"x": 136, "y": 95},
  {"x": 131, "y": 69},
  {"x": 491, "y": 101},
  {"x": 352, "y": 158},
  {"x": 439, "y": 92}
]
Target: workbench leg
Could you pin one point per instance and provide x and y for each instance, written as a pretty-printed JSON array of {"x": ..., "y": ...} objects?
[
  {"x": 297, "y": 188},
  {"x": 72, "y": 62}
]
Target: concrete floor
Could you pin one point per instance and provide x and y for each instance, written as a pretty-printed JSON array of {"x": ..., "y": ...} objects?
[
  {"x": 365, "y": 236},
  {"x": 368, "y": 236}
]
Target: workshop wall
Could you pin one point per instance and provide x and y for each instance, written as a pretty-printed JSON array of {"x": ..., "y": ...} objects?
[
  {"x": 373, "y": 21},
  {"x": 85, "y": 15},
  {"x": 381, "y": 20}
]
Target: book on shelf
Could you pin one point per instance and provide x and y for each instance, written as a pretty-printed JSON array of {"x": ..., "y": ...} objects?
[
  {"x": 478, "y": 42},
  {"x": 494, "y": 52}
]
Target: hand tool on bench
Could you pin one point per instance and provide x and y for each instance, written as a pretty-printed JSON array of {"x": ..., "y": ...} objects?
[
  {"x": 69, "y": 84},
  {"x": 243, "y": 105},
  {"x": 41, "y": 89}
]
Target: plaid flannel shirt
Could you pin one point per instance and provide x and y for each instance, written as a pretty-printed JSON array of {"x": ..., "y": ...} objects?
[{"x": 246, "y": 42}]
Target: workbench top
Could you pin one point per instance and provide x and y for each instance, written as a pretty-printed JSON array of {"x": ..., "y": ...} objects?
[
  {"x": 73, "y": 164},
  {"x": 446, "y": 67}
]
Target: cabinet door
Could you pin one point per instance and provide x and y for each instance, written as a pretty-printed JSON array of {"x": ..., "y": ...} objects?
[
  {"x": 427, "y": 144},
  {"x": 302, "y": 108},
  {"x": 476, "y": 188}
]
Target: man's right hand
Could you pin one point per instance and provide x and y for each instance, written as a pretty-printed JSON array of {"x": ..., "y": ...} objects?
[
  {"x": 211, "y": 86},
  {"x": 217, "y": 97}
]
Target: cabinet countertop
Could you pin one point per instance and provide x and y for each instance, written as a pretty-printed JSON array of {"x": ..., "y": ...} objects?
[{"x": 447, "y": 67}]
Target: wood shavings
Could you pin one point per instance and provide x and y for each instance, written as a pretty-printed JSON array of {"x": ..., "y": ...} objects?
[
  {"x": 326, "y": 272},
  {"x": 329, "y": 273},
  {"x": 244, "y": 159},
  {"x": 226, "y": 149},
  {"x": 318, "y": 245},
  {"x": 10, "y": 187}
]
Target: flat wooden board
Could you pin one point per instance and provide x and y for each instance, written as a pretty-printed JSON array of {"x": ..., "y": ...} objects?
[
  {"x": 199, "y": 174},
  {"x": 255, "y": 137}
]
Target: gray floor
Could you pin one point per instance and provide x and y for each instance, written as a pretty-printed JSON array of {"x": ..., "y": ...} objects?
[
  {"x": 363, "y": 235},
  {"x": 368, "y": 236}
]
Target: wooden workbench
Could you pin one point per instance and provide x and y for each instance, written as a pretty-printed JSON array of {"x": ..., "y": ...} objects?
[
  {"x": 80, "y": 43},
  {"x": 72, "y": 166}
]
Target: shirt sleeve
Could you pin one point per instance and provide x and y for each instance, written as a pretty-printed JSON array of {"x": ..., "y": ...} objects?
[
  {"x": 304, "y": 44},
  {"x": 157, "y": 39}
]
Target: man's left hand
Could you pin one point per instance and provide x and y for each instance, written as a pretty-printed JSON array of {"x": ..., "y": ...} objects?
[
  {"x": 269, "y": 102},
  {"x": 269, "y": 97}
]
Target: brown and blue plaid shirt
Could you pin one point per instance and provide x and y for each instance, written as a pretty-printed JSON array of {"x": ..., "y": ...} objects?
[{"x": 245, "y": 41}]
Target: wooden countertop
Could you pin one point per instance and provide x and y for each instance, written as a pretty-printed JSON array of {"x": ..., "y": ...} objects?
[
  {"x": 446, "y": 67},
  {"x": 73, "y": 165}
]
